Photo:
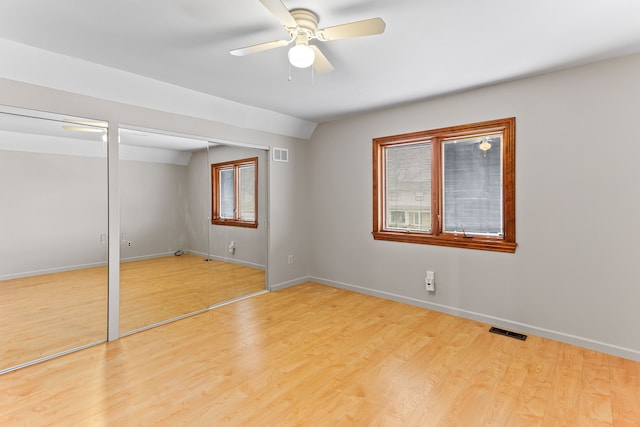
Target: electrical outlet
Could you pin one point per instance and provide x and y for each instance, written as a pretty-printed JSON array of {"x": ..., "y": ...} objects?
[
  {"x": 430, "y": 281},
  {"x": 290, "y": 259},
  {"x": 129, "y": 243}
]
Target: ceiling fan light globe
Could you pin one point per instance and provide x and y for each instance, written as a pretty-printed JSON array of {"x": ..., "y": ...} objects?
[{"x": 301, "y": 56}]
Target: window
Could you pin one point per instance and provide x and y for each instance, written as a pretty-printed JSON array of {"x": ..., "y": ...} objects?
[
  {"x": 234, "y": 197},
  {"x": 453, "y": 186}
]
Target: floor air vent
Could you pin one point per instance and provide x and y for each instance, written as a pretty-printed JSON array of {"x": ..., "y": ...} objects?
[{"x": 506, "y": 333}]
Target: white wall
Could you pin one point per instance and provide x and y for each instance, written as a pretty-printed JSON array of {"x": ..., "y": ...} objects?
[
  {"x": 290, "y": 204},
  {"x": 573, "y": 275},
  {"x": 53, "y": 212},
  {"x": 54, "y": 206},
  {"x": 154, "y": 209}
]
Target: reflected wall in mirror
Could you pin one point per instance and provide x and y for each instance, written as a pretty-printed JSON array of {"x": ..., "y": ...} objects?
[
  {"x": 238, "y": 253},
  {"x": 53, "y": 234},
  {"x": 160, "y": 278}
]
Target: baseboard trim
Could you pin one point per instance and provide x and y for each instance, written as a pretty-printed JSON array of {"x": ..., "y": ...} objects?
[
  {"x": 51, "y": 270},
  {"x": 290, "y": 283},
  {"x": 146, "y": 257},
  {"x": 587, "y": 343},
  {"x": 24, "y": 274},
  {"x": 230, "y": 260}
]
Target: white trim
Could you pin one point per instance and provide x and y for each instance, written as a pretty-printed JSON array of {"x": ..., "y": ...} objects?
[
  {"x": 240, "y": 298},
  {"x": 206, "y": 140},
  {"x": 51, "y": 356},
  {"x": 491, "y": 320},
  {"x": 164, "y": 322},
  {"x": 113, "y": 236},
  {"x": 145, "y": 257},
  {"x": 230, "y": 260},
  {"x": 290, "y": 283},
  {"x": 124, "y": 260},
  {"x": 52, "y": 270}
]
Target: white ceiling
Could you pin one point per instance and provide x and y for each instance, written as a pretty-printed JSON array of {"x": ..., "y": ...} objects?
[{"x": 430, "y": 47}]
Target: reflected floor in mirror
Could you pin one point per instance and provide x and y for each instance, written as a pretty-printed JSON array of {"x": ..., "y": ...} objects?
[
  {"x": 51, "y": 313},
  {"x": 159, "y": 289}
]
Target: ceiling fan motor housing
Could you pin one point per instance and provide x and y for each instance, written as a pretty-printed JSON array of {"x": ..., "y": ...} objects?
[{"x": 307, "y": 24}]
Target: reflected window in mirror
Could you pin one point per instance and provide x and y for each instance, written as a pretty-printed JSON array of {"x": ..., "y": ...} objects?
[{"x": 234, "y": 193}]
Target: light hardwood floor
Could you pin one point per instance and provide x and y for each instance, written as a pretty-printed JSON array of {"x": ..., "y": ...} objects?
[
  {"x": 313, "y": 355},
  {"x": 51, "y": 313},
  {"x": 158, "y": 289}
]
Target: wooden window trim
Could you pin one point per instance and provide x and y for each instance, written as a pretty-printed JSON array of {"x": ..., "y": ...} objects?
[
  {"x": 506, "y": 243},
  {"x": 215, "y": 185}
]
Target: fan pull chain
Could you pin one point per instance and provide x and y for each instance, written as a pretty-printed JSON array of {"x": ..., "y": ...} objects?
[{"x": 289, "y": 71}]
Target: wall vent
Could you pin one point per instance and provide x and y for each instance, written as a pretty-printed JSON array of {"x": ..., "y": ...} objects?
[
  {"x": 280, "y": 154},
  {"x": 509, "y": 334}
]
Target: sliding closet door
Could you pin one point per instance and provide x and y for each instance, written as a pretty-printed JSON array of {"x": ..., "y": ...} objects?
[
  {"x": 238, "y": 229},
  {"x": 53, "y": 234},
  {"x": 163, "y": 242}
]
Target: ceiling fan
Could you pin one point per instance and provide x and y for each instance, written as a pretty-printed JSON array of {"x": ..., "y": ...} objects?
[{"x": 302, "y": 26}]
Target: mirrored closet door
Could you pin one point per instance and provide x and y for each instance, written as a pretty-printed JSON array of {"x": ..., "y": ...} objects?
[
  {"x": 163, "y": 238},
  {"x": 238, "y": 208},
  {"x": 53, "y": 234},
  {"x": 175, "y": 261}
]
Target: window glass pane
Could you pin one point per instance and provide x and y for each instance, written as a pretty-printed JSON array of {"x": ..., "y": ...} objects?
[
  {"x": 246, "y": 193},
  {"x": 227, "y": 199},
  {"x": 408, "y": 187},
  {"x": 472, "y": 181}
]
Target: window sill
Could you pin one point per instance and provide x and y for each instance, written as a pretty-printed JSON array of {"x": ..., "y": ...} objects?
[
  {"x": 480, "y": 243},
  {"x": 234, "y": 223}
]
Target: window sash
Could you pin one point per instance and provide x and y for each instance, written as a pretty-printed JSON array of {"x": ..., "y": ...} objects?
[
  {"x": 408, "y": 186},
  {"x": 234, "y": 194},
  {"x": 499, "y": 235},
  {"x": 226, "y": 191},
  {"x": 246, "y": 193},
  {"x": 472, "y": 184}
]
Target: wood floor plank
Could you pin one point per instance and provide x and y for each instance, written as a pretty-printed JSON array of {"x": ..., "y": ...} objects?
[
  {"x": 564, "y": 401},
  {"x": 313, "y": 355},
  {"x": 625, "y": 391},
  {"x": 595, "y": 396},
  {"x": 536, "y": 390}
]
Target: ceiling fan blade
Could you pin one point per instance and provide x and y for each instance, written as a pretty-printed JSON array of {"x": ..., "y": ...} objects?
[
  {"x": 321, "y": 64},
  {"x": 368, "y": 27},
  {"x": 280, "y": 11},
  {"x": 243, "y": 51}
]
